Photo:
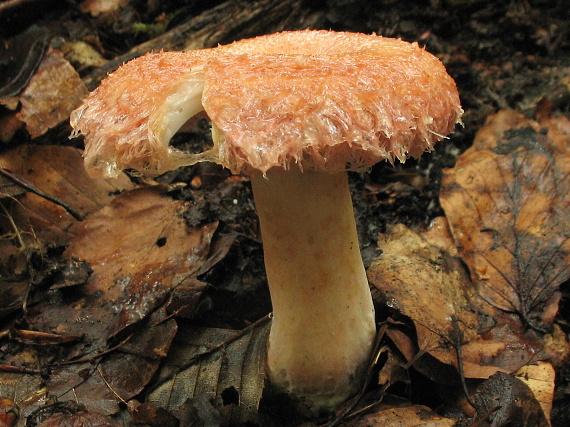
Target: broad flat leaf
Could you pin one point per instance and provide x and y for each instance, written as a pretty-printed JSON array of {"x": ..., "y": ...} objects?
[
  {"x": 26, "y": 389},
  {"x": 233, "y": 375},
  {"x": 507, "y": 202},
  {"x": 53, "y": 93},
  {"x": 505, "y": 400},
  {"x": 417, "y": 274},
  {"x": 540, "y": 378},
  {"x": 140, "y": 250},
  {"x": 413, "y": 415},
  {"x": 57, "y": 171},
  {"x": 425, "y": 283}
]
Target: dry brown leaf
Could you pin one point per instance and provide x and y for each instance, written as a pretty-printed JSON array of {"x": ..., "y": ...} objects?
[
  {"x": 98, "y": 7},
  {"x": 424, "y": 282},
  {"x": 418, "y": 276},
  {"x": 232, "y": 377},
  {"x": 506, "y": 347},
  {"x": 540, "y": 378},
  {"x": 57, "y": 171},
  {"x": 407, "y": 416},
  {"x": 507, "y": 203},
  {"x": 53, "y": 93}
]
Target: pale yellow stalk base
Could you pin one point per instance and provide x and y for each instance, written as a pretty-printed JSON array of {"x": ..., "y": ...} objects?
[{"x": 323, "y": 317}]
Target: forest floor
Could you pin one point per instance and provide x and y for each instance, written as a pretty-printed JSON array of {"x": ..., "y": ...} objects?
[{"x": 144, "y": 302}]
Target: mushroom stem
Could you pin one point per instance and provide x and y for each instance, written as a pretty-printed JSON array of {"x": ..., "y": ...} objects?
[{"x": 323, "y": 317}]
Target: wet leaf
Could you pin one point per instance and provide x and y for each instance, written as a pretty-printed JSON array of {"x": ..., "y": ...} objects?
[
  {"x": 506, "y": 401},
  {"x": 9, "y": 412},
  {"x": 424, "y": 282},
  {"x": 148, "y": 250},
  {"x": 232, "y": 377},
  {"x": 149, "y": 414},
  {"x": 57, "y": 171},
  {"x": 507, "y": 201},
  {"x": 68, "y": 414},
  {"x": 52, "y": 94},
  {"x": 19, "y": 58},
  {"x": 139, "y": 249},
  {"x": 22, "y": 384}
]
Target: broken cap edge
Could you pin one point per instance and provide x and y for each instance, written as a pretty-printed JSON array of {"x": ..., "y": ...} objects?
[{"x": 238, "y": 143}]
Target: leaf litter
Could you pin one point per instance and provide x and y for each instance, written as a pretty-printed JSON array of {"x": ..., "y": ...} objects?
[
  {"x": 507, "y": 204},
  {"x": 76, "y": 345},
  {"x": 482, "y": 284}
]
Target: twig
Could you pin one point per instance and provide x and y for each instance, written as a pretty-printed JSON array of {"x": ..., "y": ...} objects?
[
  {"x": 109, "y": 386},
  {"x": 96, "y": 356},
  {"x": 458, "y": 335},
  {"x": 32, "y": 188},
  {"x": 18, "y": 369},
  {"x": 13, "y": 225}
]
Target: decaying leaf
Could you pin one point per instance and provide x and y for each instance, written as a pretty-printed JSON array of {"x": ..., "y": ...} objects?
[
  {"x": 67, "y": 414},
  {"x": 139, "y": 249},
  {"x": 512, "y": 231},
  {"x": 24, "y": 388},
  {"x": 231, "y": 377},
  {"x": 57, "y": 171},
  {"x": 20, "y": 57},
  {"x": 9, "y": 412},
  {"x": 507, "y": 401},
  {"x": 507, "y": 202},
  {"x": 424, "y": 282},
  {"x": 415, "y": 415},
  {"x": 540, "y": 378},
  {"x": 52, "y": 94}
]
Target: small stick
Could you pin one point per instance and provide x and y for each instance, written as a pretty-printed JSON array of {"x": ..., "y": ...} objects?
[
  {"x": 24, "y": 183},
  {"x": 109, "y": 386},
  {"x": 96, "y": 356},
  {"x": 18, "y": 369}
]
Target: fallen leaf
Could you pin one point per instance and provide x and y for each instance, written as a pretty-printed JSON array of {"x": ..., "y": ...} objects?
[
  {"x": 25, "y": 388},
  {"x": 540, "y": 378},
  {"x": 507, "y": 401},
  {"x": 9, "y": 412},
  {"x": 68, "y": 414},
  {"x": 52, "y": 94},
  {"x": 139, "y": 249},
  {"x": 231, "y": 377},
  {"x": 148, "y": 250},
  {"x": 416, "y": 275},
  {"x": 507, "y": 202},
  {"x": 149, "y": 414},
  {"x": 21, "y": 55},
  {"x": 413, "y": 415},
  {"x": 428, "y": 285},
  {"x": 57, "y": 171},
  {"x": 98, "y": 7}
]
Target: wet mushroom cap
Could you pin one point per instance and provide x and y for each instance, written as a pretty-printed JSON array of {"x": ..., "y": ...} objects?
[{"x": 316, "y": 100}]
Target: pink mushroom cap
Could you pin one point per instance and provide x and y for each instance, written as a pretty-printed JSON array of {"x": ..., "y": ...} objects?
[{"x": 320, "y": 100}]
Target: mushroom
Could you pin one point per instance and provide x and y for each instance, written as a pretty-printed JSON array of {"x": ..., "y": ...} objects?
[{"x": 293, "y": 111}]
